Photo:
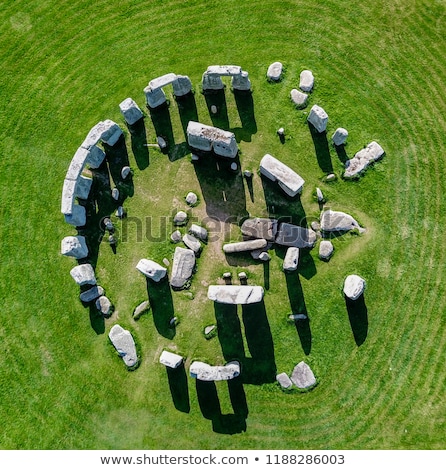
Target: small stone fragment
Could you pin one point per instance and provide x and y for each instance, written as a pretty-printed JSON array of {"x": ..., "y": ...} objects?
[
  {"x": 298, "y": 98},
  {"x": 191, "y": 198},
  {"x": 115, "y": 194},
  {"x": 214, "y": 109},
  {"x": 104, "y": 306},
  {"x": 161, "y": 142},
  {"x": 284, "y": 380},
  {"x": 325, "y": 250},
  {"x": 264, "y": 256},
  {"x": 120, "y": 212},
  {"x": 319, "y": 195},
  {"x": 125, "y": 172},
  {"x": 142, "y": 308},
  {"x": 176, "y": 236},
  {"x": 297, "y": 317}
]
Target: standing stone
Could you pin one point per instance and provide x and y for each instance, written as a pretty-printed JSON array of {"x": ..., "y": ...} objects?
[
  {"x": 91, "y": 294},
  {"x": 274, "y": 71},
  {"x": 75, "y": 247},
  {"x": 176, "y": 236},
  {"x": 291, "y": 260},
  {"x": 192, "y": 243},
  {"x": 123, "y": 341},
  {"x": 130, "y": 110},
  {"x": 171, "y": 360},
  {"x": 115, "y": 194},
  {"x": 354, "y": 286},
  {"x": 125, "y": 172},
  {"x": 284, "y": 380},
  {"x": 180, "y": 218},
  {"x": 227, "y": 276},
  {"x": 83, "y": 187},
  {"x": 319, "y": 118},
  {"x": 182, "y": 267},
  {"x": 298, "y": 98},
  {"x": 260, "y": 228},
  {"x": 191, "y": 198},
  {"x": 198, "y": 232},
  {"x": 340, "y": 136},
  {"x": 202, "y": 371},
  {"x": 248, "y": 245},
  {"x": 247, "y": 174},
  {"x": 104, "y": 306},
  {"x": 303, "y": 376},
  {"x": 326, "y": 249},
  {"x": 151, "y": 269},
  {"x": 320, "y": 196},
  {"x": 306, "y": 80},
  {"x": 83, "y": 274},
  {"x": 214, "y": 109},
  {"x": 234, "y": 166}
]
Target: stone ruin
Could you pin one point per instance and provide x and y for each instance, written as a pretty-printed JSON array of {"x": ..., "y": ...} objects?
[
  {"x": 211, "y": 79},
  {"x": 130, "y": 111},
  {"x": 208, "y": 138},
  {"x": 354, "y": 286},
  {"x": 362, "y": 159},
  {"x": 289, "y": 181},
  {"x": 154, "y": 92},
  {"x": 171, "y": 360},
  {"x": 318, "y": 118}
]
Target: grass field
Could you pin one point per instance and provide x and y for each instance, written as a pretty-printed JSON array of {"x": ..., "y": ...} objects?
[{"x": 380, "y": 72}]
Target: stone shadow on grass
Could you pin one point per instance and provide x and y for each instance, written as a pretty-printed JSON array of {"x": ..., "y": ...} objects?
[
  {"x": 358, "y": 317},
  {"x": 118, "y": 157},
  {"x": 229, "y": 332},
  {"x": 178, "y": 388},
  {"x": 138, "y": 137},
  {"x": 217, "y": 98},
  {"x": 245, "y": 108},
  {"x": 322, "y": 149},
  {"x": 97, "y": 321},
  {"x": 342, "y": 154},
  {"x": 161, "y": 302},
  {"x": 187, "y": 109}
]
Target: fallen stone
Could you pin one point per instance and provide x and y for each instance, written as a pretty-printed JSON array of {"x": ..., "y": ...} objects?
[
  {"x": 354, "y": 286},
  {"x": 104, "y": 306},
  {"x": 125, "y": 172},
  {"x": 207, "y": 138},
  {"x": 131, "y": 111},
  {"x": 296, "y": 236},
  {"x": 142, "y": 308},
  {"x": 274, "y": 71},
  {"x": 198, "y": 232},
  {"x": 362, "y": 160},
  {"x": 123, "y": 341},
  {"x": 191, "y": 198},
  {"x": 83, "y": 274},
  {"x": 171, "y": 360},
  {"x": 326, "y": 249},
  {"x": 297, "y": 317},
  {"x": 260, "y": 228},
  {"x": 248, "y": 245},
  {"x": 284, "y": 380},
  {"x": 176, "y": 236},
  {"x": 256, "y": 253},
  {"x": 152, "y": 270},
  {"x": 191, "y": 242},
  {"x": 180, "y": 218},
  {"x": 182, "y": 267},
  {"x": 76, "y": 247},
  {"x": 336, "y": 221},
  {"x": 202, "y": 371},
  {"x": 115, "y": 194},
  {"x": 318, "y": 118},
  {"x": 264, "y": 256},
  {"x": 166, "y": 262},
  {"x": 214, "y": 109},
  {"x": 306, "y": 80},
  {"x": 291, "y": 260},
  {"x": 302, "y": 376},
  {"x": 289, "y": 181},
  {"x": 340, "y": 136},
  {"x": 91, "y": 294},
  {"x": 298, "y": 98},
  {"x": 319, "y": 195},
  {"x": 235, "y": 295},
  {"x": 242, "y": 276}
]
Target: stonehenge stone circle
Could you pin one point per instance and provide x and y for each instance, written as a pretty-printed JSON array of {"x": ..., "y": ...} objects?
[
  {"x": 151, "y": 269},
  {"x": 76, "y": 247},
  {"x": 207, "y": 138},
  {"x": 284, "y": 381},
  {"x": 362, "y": 160}
]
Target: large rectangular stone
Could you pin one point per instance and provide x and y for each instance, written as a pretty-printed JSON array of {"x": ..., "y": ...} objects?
[
  {"x": 291, "y": 183},
  {"x": 235, "y": 295},
  {"x": 293, "y": 235},
  {"x": 248, "y": 245}
]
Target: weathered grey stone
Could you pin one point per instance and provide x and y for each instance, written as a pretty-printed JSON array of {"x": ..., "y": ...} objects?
[
  {"x": 104, "y": 306},
  {"x": 125, "y": 172},
  {"x": 340, "y": 136},
  {"x": 316, "y": 226},
  {"x": 302, "y": 376},
  {"x": 326, "y": 249},
  {"x": 110, "y": 132},
  {"x": 247, "y": 245},
  {"x": 180, "y": 218},
  {"x": 123, "y": 341},
  {"x": 260, "y": 228},
  {"x": 191, "y": 198},
  {"x": 191, "y": 242},
  {"x": 182, "y": 267},
  {"x": 284, "y": 380},
  {"x": 162, "y": 81},
  {"x": 108, "y": 224},
  {"x": 291, "y": 260},
  {"x": 202, "y": 371},
  {"x": 161, "y": 142},
  {"x": 83, "y": 187},
  {"x": 171, "y": 360},
  {"x": 131, "y": 111},
  {"x": 297, "y": 317},
  {"x": 287, "y": 179},
  {"x": 78, "y": 216},
  {"x": 234, "y": 166},
  {"x": 330, "y": 177},
  {"x": 151, "y": 269},
  {"x": 336, "y": 221},
  {"x": 115, "y": 194},
  {"x": 274, "y": 71},
  {"x": 241, "y": 81},
  {"x": 83, "y": 274},
  {"x": 293, "y": 235},
  {"x": 319, "y": 195},
  {"x": 264, "y": 256},
  {"x": 203, "y": 137},
  {"x": 247, "y": 174},
  {"x": 91, "y": 294},
  {"x": 194, "y": 158},
  {"x": 318, "y": 118},
  {"x": 242, "y": 276},
  {"x": 77, "y": 164},
  {"x": 209, "y": 329},
  {"x": 75, "y": 247},
  {"x": 176, "y": 236},
  {"x": 281, "y": 131},
  {"x": 306, "y": 80},
  {"x": 141, "y": 309},
  {"x": 354, "y": 286},
  {"x": 198, "y": 232},
  {"x": 120, "y": 212},
  {"x": 362, "y": 160},
  {"x": 256, "y": 253},
  {"x": 235, "y": 295},
  {"x": 298, "y": 98}
]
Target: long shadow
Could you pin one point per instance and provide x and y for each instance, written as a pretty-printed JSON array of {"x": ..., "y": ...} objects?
[
  {"x": 160, "y": 297},
  {"x": 178, "y": 388},
  {"x": 208, "y": 399},
  {"x": 187, "y": 109},
  {"x": 306, "y": 267},
  {"x": 322, "y": 149},
  {"x": 342, "y": 154},
  {"x": 250, "y": 186},
  {"x": 266, "y": 275},
  {"x": 245, "y": 108},
  {"x": 139, "y": 143},
  {"x": 298, "y": 306},
  {"x": 357, "y": 315},
  {"x": 96, "y": 320},
  {"x": 223, "y": 190},
  {"x": 229, "y": 332},
  {"x": 217, "y": 98},
  {"x": 261, "y": 367}
]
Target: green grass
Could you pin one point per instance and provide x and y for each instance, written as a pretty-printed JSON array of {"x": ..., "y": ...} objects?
[{"x": 380, "y": 73}]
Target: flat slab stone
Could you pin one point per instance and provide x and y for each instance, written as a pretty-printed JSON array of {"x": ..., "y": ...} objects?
[
  {"x": 78, "y": 216},
  {"x": 296, "y": 236},
  {"x": 75, "y": 247},
  {"x": 291, "y": 183},
  {"x": 306, "y": 82},
  {"x": 182, "y": 267},
  {"x": 336, "y": 221},
  {"x": 299, "y": 98},
  {"x": 248, "y": 245},
  {"x": 326, "y": 249},
  {"x": 284, "y": 380},
  {"x": 130, "y": 110},
  {"x": 104, "y": 306},
  {"x": 318, "y": 117},
  {"x": 302, "y": 376},
  {"x": 191, "y": 242},
  {"x": 171, "y": 360},
  {"x": 340, "y": 136},
  {"x": 274, "y": 71},
  {"x": 92, "y": 294},
  {"x": 291, "y": 260},
  {"x": 83, "y": 274},
  {"x": 363, "y": 159},
  {"x": 204, "y": 137},
  {"x": 124, "y": 343},
  {"x": 260, "y": 228},
  {"x": 198, "y": 232},
  {"x": 151, "y": 269},
  {"x": 202, "y": 371},
  {"x": 235, "y": 295},
  {"x": 354, "y": 286}
]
